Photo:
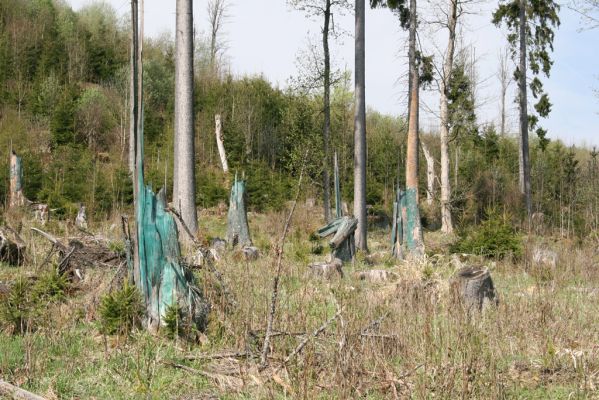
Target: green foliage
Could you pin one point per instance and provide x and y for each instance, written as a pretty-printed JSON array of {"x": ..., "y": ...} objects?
[
  {"x": 18, "y": 310},
  {"x": 495, "y": 238},
  {"x": 50, "y": 287},
  {"x": 173, "y": 320},
  {"x": 25, "y": 303},
  {"x": 120, "y": 311}
]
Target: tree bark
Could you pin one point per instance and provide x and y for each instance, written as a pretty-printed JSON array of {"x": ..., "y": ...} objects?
[
  {"x": 184, "y": 171},
  {"x": 446, "y": 220},
  {"x": 360, "y": 129},
  {"x": 326, "y": 130},
  {"x": 220, "y": 143},
  {"x": 430, "y": 174},
  {"x": 524, "y": 170},
  {"x": 412, "y": 147},
  {"x": 505, "y": 80},
  {"x": 16, "y": 199},
  {"x": 414, "y": 242}
]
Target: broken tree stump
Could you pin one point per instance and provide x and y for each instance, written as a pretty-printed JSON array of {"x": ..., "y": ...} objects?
[
  {"x": 220, "y": 142},
  {"x": 343, "y": 242},
  {"x": 376, "y": 275},
  {"x": 81, "y": 220},
  {"x": 406, "y": 231},
  {"x": 238, "y": 231},
  {"x": 327, "y": 270},
  {"x": 12, "y": 247},
  {"x": 16, "y": 199},
  {"x": 473, "y": 288}
]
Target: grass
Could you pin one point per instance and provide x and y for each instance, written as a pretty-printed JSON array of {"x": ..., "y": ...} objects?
[{"x": 539, "y": 343}]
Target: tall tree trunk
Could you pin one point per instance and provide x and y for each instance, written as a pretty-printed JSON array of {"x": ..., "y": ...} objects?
[
  {"x": 505, "y": 80},
  {"x": 326, "y": 130},
  {"x": 524, "y": 164},
  {"x": 360, "y": 129},
  {"x": 132, "y": 122},
  {"x": 446, "y": 220},
  {"x": 413, "y": 230},
  {"x": 184, "y": 171}
]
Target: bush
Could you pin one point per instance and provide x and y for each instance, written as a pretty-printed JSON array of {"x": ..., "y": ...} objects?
[
  {"x": 18, "y": 310},
  {"x": 495, "y": 238},
  {"x": 120, "y": 311},
  {"x": 50, "y": 287}
]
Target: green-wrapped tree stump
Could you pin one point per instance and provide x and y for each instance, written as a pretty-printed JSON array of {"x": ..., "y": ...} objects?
[
  {"x": 406, "y": 233},
  {"x": 157, "y": 269},
  {"x": 238, "y": 230}
]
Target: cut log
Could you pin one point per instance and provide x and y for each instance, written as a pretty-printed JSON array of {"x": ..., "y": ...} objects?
[
  {"x": 327, "y": 270},
  {"x": 220, "y": 143},
  {"x": 473, "y": 288},
  {"x": 238, "y": 231},
  {"x": 15, "y": 392},
  {"x": 81, "y": 220},
  {"x": 17, "y": 199},
  {"x": 12, "y": 247}
]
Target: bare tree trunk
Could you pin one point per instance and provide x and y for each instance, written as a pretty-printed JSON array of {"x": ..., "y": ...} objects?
[
  {"x": 430, "y": 174},
  {"x": 132, "y": 122},
  {"x": 410, "y": 214},
  {"x": 524, "y": 164},
  {"x": 220, "y": 144},
  {"x": 504, "y": 79},
  {"x": 216, "y": 15},
  {"x": 326, "y": 130},
  {"x": 446, "y": 220},
  {"x": 360, "y": 130},
  {"x": 184, "y": 192},
  {"x": 16, "y": 197}
]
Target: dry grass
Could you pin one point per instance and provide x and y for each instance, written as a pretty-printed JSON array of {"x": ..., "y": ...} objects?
[{"x": 401, "y": 339}]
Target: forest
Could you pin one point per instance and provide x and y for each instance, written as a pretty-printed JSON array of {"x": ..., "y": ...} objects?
[{"x": 172, "y": 229}]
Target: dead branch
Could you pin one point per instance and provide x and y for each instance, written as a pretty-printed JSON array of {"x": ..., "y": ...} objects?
[{"x": 316, "y": 332}]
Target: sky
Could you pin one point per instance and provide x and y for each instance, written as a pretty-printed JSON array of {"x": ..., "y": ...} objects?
[{"x": 266, "y": 36}]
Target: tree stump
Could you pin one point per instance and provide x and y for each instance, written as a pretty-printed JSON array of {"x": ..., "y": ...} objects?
[
  {"x": 12, "y": 247},
  {"x": 376, "y": 275},
  {"x": 17, "y": 199},
  {"x": 81, "y": 220},
  {"x": 473, "y": 288},
  {"x": 327, "y": 270},
  {"x": 238, "y": 231}
]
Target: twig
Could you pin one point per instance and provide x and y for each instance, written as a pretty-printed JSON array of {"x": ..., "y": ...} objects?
[
  {"x": 275, "y": 289},
  {"x": 184, "y": 225},
  {"x": 216, "y": 356},
  {"x": 375, "y": 323},
  {"x": 317, "y": 332},
  {"x": 16, "y": 392},
  {"x": 65, "y": 260}
]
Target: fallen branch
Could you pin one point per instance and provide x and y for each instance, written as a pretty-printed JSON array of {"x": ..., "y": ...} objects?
[
  {"x": 15, "y": 392},
  {"x": 216, "y": 356},
  {"x": 317, "y": 332}
]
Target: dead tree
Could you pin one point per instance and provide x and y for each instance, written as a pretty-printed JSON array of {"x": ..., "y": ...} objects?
[
  {"x": 81, "y": 220},
  {"x": 17, "y": 199},
  {"x": 430, "y": 174},
  {"x": 238, "y": 230},
  {"x": 220, "y": 143},
  {"x": 160, "y": 276}
]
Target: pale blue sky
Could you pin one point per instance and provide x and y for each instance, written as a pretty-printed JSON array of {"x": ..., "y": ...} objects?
[{"x": 264, "y": 36}]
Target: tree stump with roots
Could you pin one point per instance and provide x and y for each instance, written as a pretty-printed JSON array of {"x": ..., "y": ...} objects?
[{"x": 473, "y": 288}]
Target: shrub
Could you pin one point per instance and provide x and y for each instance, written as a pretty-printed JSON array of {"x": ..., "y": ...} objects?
[
  {"x": 19, "y": 310},
  {"x": 120, "y": 311},
  {"x": 495, "y": 238},
  {"x": 50, "y": 287}
]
